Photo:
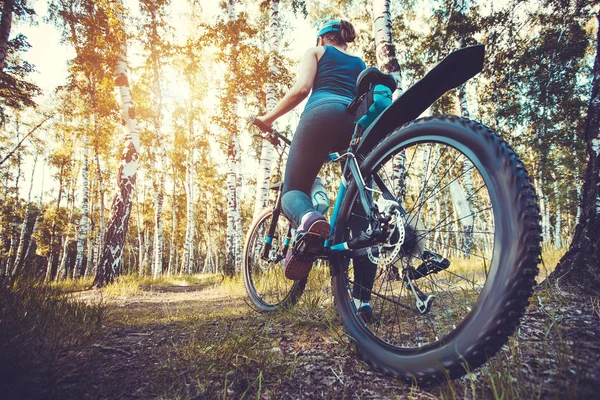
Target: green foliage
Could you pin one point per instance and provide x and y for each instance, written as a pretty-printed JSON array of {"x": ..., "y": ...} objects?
[
  {"x": 16, "y": 92},
  {"x": 534, "y": 90}
]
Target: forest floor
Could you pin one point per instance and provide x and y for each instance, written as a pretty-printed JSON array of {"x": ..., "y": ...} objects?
[{"x": 197, "y": 338}]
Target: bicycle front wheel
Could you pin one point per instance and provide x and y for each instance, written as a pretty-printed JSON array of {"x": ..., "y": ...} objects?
[
  {"x": 264, "y": 279},
  {"x": 453, "y": 280}
]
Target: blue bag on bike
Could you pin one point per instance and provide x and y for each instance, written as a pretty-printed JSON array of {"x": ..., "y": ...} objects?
[{"x": 376, "y": 100}]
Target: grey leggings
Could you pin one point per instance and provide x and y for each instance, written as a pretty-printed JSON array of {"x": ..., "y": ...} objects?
[{"x": 321, "y": 130}]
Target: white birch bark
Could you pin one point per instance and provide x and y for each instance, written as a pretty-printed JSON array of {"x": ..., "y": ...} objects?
[
  {"x": 3, "y": 228},
  {"x": 170, "y": 269},
  {"x": 387, "y": 62},
  {"x": 208, "y": 262},
  {"x": 63, "y": 269},
  {"x": 238, "y": 232},
  {"x": 147, "y": 252},
  {"x": 467, "y": 169},
  {"x": 50, "y": 263},
  {"x": 385, "y": 51},
  {"x": 114, "y": 241},
  {"x": 188, "y": 245},
  {"x": 232, "y": 180},
  {"x": 89, "y": 267},
  {"x": 37, "y": 222},
  {"x": 158, "y": 210},
  {"x": 102, "y": 230},
  {"x": 266, "y": 156},
  {"x": 185, "y": 259},
  {"x": 140, "y": 232},
  {"x": 557, "y": 215},
  {"x": 12, "y": 251},
  {"x": 192, "y": 216},
  {"x": 21, "y": 246},
  {"x": 82, "y": 233},
  {"x": 171, "y": 265},
  {"x": 231, "y": 207},
  {"x": 543, "y": 200},
  {"x": 161, "y": 159}
]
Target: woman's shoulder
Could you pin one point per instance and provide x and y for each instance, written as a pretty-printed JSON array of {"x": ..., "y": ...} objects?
[{"x": 316, "y": 51}]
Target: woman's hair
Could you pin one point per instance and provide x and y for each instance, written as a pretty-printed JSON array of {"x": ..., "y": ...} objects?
[{"x": 347, "y": 34}]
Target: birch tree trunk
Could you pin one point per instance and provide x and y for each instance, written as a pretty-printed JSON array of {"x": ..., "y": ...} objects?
[
  {"x": 102, "y": 229},
  {"x": 229, "y": 268},
  {"x": 238, "y": 231},
  {"x": 579, "y": 271},
  {"x": 266, "y": 156},
  {"x": 161, "y": 159},
  {"x": 36, "y": 224},
  {"x": 385, "y": 51},
  {"x": 539, "y": 188},
  {"x": 140, "y": 228},
  {"x": 232, "y": 168},
  {"x": 387, "y": 62},
  {"x": 5, "y": 27},
  {"x": 63, "y": 269},
  {"x": 82, "y": 233},
  {"x": 49, "y": 266},
  {"x": 170, "y": 269},
  {"x": 467, "y": 170},
  {"x": 557, "y": 225},
  {"x": 90, "y": 244},
  {"x": 12, "y": 251},
  {"x": 114, "y": 240},
  {"x": 188, "y": 245},
  {"x": 185, "y": 259},
  {"x": 21, "y": 247}
]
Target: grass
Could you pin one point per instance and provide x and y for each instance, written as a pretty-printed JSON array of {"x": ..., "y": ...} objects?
[
  {"x": 240, "y": 355},
  {"x": 216, "y": 346},
  {"x": 550, "y": 258},
  {"x": 38, "y": 323}
]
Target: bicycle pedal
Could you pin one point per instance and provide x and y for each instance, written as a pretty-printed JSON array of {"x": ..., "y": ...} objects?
[{"x": 308, "y": 246}]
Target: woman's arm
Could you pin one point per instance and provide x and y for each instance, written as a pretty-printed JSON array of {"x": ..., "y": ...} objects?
[{"x": 301, "y": 88}]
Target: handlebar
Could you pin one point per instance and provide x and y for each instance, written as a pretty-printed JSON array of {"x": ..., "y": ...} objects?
[{"x": 271, "y": 134}]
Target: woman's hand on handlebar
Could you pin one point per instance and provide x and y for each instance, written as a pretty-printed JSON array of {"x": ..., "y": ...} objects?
[
  {"x": 261, "y": 123},
  {"x": 263, "y": 120}
]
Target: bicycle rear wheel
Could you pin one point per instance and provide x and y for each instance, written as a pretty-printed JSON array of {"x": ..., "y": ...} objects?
[
  {"x": 264, "y": 279},
  {"x": 452, "y": 284}
]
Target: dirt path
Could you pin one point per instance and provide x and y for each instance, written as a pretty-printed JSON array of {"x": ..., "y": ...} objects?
[{"x": 204, "y": 342}]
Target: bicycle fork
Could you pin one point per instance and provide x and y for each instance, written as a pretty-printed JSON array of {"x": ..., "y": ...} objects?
[{"x": 273, "y": 227}]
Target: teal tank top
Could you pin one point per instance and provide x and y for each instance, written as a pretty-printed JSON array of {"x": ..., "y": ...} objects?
[{"x": 335, "y": 81}]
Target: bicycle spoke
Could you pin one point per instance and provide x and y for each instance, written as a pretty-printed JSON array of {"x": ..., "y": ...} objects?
[{"x": 433, "y": 176}]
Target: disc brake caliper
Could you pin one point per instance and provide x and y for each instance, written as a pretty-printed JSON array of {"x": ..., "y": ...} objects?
[{"x": 389, "y": 247}]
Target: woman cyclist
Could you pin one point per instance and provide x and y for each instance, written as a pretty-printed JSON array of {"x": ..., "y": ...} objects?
[{"x": 325, "y": 126}]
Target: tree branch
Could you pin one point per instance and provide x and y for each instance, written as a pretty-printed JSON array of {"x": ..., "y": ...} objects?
[{"x": 22, "y": 140}]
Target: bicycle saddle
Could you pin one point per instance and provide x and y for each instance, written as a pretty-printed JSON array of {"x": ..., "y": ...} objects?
[{"x": 373, "y": 76}]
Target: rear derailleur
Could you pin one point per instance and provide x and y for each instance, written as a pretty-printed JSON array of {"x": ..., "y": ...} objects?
[{"x": 432, "y": 264}]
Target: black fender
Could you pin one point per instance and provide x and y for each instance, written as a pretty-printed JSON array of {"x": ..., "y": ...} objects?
[{"x": 454, "y": 70}]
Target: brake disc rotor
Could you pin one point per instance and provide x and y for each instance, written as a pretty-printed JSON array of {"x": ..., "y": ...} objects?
[{"x": 388, "y": 251}]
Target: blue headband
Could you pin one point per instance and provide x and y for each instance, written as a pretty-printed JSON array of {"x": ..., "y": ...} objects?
[{"x": 330, "y": 26}]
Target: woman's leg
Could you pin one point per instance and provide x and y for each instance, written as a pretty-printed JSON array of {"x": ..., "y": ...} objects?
[
  {"x": 364, "y": 269},
  {"x": 321, "y": 130}
]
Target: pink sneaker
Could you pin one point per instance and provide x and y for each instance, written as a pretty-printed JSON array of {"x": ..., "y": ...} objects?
[{"x": 310, "y": 236}]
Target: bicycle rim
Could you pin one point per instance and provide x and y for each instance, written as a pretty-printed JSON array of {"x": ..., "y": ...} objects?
[
  {"x": 467, "y": 202},
  {"x": 264, "y": 279}
]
